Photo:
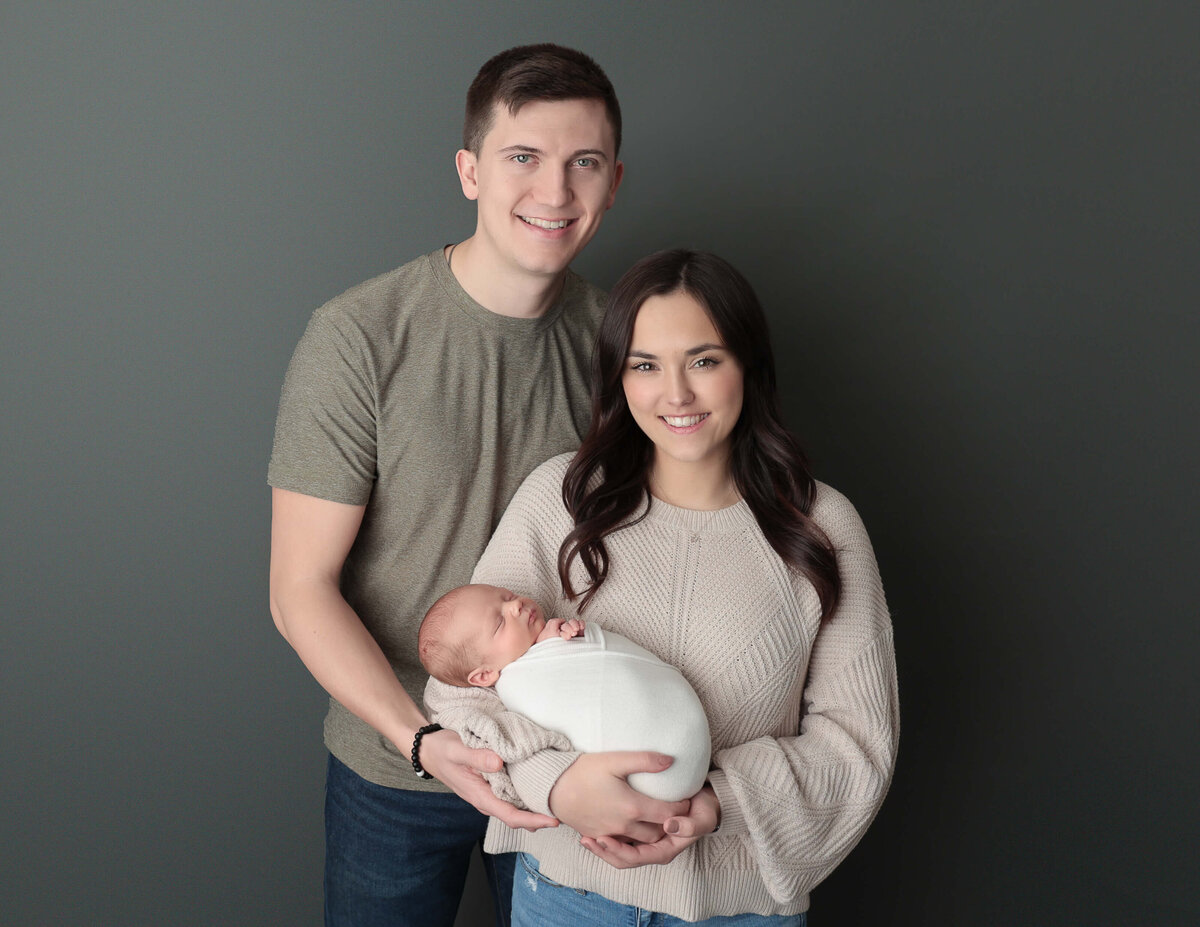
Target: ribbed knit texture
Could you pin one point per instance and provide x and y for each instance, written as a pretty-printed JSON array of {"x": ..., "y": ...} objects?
[{"x": 804, "y": 716}]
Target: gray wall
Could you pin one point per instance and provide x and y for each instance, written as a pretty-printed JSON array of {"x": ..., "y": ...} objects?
[{"x": 975, "y": 227}]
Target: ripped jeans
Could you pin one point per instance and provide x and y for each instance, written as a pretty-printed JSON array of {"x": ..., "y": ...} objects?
[{"x": 538, "y": 901}]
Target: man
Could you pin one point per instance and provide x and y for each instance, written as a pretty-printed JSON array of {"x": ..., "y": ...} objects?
[{"x": 413, "y": 407}]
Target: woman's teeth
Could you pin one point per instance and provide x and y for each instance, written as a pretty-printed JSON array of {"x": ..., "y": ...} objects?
[{"x": 684, "y": 421}]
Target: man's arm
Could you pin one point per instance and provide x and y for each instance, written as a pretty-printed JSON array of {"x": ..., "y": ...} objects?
[{"x": 310, "y": 539}]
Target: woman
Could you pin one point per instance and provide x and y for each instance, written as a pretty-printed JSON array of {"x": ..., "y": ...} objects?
[{"x": 689, "y": 522}]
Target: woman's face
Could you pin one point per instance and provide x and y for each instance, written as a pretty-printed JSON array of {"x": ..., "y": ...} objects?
[{"x": 683, "y": 386}]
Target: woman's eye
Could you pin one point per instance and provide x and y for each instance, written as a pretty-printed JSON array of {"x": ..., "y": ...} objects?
[
  {"x": 706, "y": 362},
  {"x": 643, "y": 366}
]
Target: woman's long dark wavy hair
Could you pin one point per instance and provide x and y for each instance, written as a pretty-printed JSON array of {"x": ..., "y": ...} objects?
[{"x": 608, "y": 481}]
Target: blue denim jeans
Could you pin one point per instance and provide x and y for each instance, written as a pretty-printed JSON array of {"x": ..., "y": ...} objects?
[
  {"x": 395, "y": 857},
  {"x": 537, "y": 902}
]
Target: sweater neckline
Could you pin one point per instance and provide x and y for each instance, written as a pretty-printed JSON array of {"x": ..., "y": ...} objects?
[{"x": 729, "y": 518}]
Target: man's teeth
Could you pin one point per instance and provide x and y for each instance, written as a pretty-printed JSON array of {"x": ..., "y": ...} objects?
[
  {"x": 683, "y": 421},
  {"x": 546, "y": 223}
]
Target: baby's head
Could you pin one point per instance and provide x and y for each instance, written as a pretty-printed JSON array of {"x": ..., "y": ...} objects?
[{"x": 473, "y": 632}]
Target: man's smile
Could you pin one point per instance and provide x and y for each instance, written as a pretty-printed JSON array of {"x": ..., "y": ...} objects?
[{"x": 549, "y": 224}]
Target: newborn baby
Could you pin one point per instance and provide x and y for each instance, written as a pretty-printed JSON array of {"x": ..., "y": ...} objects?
[{"x": 599, "y": 689}]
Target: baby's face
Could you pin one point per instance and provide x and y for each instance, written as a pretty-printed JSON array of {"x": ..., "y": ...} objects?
[{"x": 501, "y": 624}]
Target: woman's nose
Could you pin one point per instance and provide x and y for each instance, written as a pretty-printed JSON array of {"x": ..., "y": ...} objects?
[{"x": 678, "y": 391}]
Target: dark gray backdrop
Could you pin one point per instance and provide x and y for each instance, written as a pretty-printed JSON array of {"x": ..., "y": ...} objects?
[{"x": 975, "y": 229}]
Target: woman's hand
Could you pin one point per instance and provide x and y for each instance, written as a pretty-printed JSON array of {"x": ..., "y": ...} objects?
[
  {"x": 593, "y": 797},
  {"x": 445, "y": 757},
  {"x": 680, "y": 832}
]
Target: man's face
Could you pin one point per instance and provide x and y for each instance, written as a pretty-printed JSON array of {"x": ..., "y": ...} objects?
[
  {"x": 499, "y": 625},
  {"x": 543, "y": 179}
]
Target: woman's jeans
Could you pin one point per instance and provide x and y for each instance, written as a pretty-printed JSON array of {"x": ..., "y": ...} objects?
[
  {"x": 538, "y": 902},
  {"x": 396, "y": 857}
]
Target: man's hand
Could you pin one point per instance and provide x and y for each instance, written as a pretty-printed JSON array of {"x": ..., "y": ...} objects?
[
  {"x": 593, "y": 797},
  {"x": 679, "y": 833},
  {"x": 445, "y": 757}
]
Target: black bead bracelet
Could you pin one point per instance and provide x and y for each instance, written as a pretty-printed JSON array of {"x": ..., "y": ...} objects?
[{"x": 417, "y": 767}]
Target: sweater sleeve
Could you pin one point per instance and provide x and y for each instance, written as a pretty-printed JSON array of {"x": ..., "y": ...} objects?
[
  {"x": 832, "y": 777},
  {"x": 522, "y": 556}
]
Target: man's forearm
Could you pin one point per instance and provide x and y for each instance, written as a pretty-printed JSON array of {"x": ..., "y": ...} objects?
[{"x": 344, "y": 658}]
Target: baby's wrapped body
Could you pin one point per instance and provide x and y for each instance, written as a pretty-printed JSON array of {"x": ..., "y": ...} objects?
[{"x": 604, "y": 692}]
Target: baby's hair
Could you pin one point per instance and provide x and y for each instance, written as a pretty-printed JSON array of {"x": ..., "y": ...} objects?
[{"x": 445, "y": 659}]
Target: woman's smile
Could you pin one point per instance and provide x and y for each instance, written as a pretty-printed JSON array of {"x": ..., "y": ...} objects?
[{"x": 683, "y": 424}]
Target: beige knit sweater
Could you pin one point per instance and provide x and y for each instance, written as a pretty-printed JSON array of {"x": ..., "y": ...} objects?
[{"x": 804, "y": 716}]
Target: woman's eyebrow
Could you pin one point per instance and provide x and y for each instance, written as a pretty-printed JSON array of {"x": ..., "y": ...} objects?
[{"x": 690, "y": 352}]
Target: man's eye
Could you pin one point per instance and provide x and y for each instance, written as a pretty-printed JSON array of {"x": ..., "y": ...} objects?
[
  {"x": 522, "y": 158},
  {"x": 585, "y": 162}
]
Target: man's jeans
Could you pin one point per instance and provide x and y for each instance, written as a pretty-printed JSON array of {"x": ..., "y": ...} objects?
[
  {"x": 538, "y": 902},
  {"x": 396, "y": 857}
]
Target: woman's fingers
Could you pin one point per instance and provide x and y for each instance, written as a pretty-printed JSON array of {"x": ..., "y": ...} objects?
[
  {"x": 625, "y": 762},
  {"x": 702, "y": 817},
  {"x": 680, "y": 827},
  {"x": 622, "y": 855},
  {"x": 593, "y": 797},
  {"x": 643, "y": 832}
]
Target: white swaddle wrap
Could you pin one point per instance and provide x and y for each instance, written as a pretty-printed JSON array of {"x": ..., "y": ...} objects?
[{"x": 604, "y": 692}]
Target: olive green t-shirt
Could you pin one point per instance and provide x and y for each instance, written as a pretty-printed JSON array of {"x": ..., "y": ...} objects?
[{"x": 407, "y": 396}]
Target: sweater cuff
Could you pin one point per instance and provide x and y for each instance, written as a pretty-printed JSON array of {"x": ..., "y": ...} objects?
[
  {"x": 732, "y": 820},
  {"x": 533, "y": 778}
]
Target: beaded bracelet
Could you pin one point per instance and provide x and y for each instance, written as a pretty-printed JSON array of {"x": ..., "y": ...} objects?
[{"x": 417, "y": 767}]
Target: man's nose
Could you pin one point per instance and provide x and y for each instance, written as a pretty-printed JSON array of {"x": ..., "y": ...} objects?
[{"x": 553, "y": 187}]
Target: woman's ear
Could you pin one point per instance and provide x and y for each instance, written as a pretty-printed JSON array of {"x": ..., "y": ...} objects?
[{"x": 483, "y": 677}]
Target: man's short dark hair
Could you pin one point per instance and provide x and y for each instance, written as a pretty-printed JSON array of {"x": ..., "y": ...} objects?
[{"x": 530, "y": 73}]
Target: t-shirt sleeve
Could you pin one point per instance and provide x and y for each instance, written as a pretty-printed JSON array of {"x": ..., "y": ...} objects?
[{"x": 325, "y": 442}]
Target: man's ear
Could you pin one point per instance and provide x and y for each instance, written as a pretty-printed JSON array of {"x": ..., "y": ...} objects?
[
  {"x": 466, "y": 163},
  {"x": 483, "y": 677}
]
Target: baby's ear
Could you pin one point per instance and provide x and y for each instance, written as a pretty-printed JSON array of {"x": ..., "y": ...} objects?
[{"x": 483, "y": 677}]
